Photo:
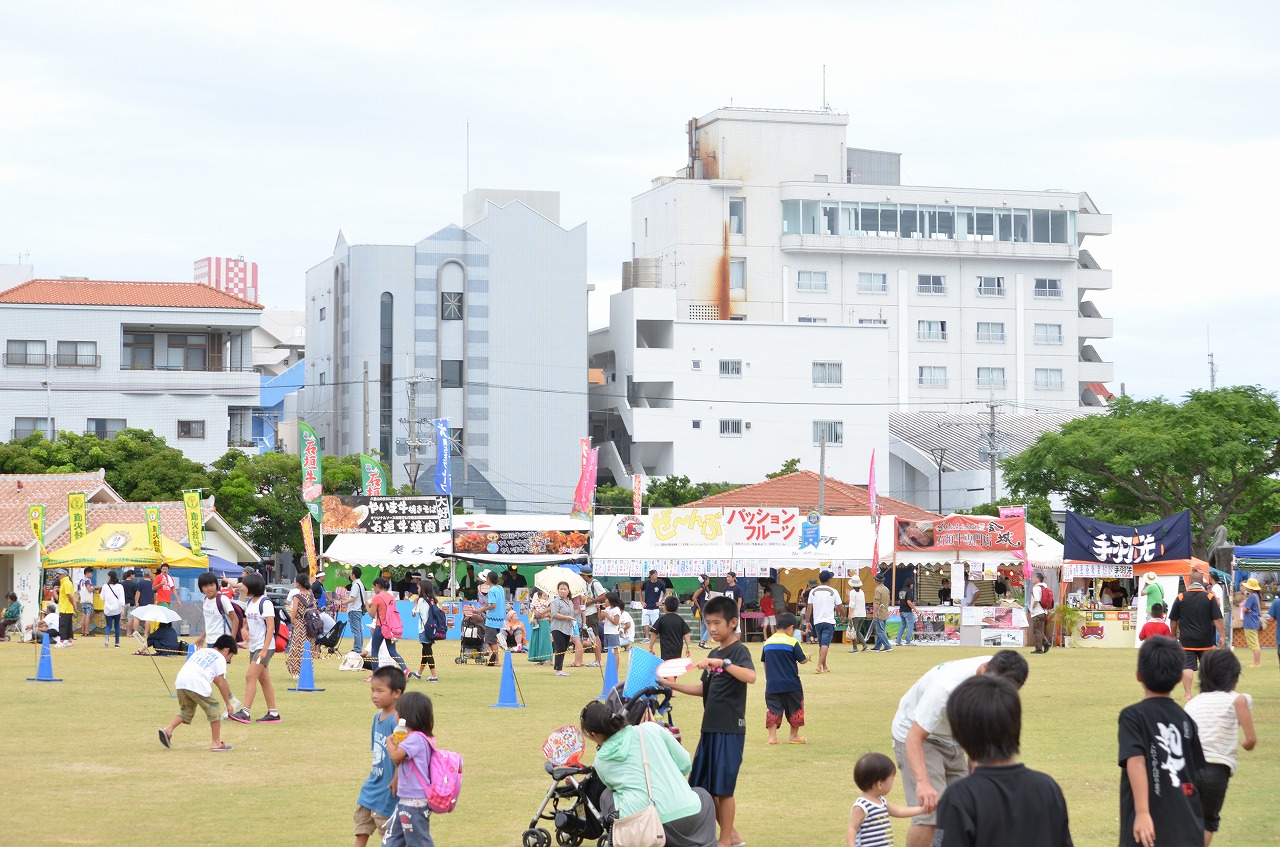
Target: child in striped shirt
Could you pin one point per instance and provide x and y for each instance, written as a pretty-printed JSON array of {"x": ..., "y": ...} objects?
[
  {"x": 1220, "y": 713},
  {"x": 869, "y": 819}
]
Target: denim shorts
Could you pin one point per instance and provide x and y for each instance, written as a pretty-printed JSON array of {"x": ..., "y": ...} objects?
[{"x": 825, "y": 632}]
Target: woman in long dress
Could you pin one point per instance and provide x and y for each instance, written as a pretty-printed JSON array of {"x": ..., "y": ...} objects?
[
  {"x": 300, "y": 599},
  {"x": 540, "y": 618}
]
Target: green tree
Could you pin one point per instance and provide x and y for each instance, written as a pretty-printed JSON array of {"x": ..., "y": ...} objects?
[
  {"x": 790, "y": 466},
  {"x": 662, "y": 492},
  {"x": 1039, "y": 513},
  {"x": 1216, "y": 454},
  {"x": 139, "y": 464}
]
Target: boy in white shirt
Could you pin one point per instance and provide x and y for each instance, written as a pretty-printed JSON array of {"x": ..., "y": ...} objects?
[
  {"x": 205, "y": 669},
  {"x": 218, "y": 613}
]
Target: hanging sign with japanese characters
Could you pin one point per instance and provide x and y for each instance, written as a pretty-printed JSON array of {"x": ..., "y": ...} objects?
[
  {"x": 385, "y": 515},
  {"x": 743, "y": 527},
  {"x": 963, "y": 532},
  {"x": 1088, "y": 540}
]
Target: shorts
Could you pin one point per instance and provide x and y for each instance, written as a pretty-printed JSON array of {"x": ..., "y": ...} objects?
[
  {"x": 266, "y": 660},
  {"x": 491, "y": 634},
  {"x": 825, "y": 632},
  {"x": 769, "y": 620},
  {"x": 86, "y": 608},
  {"x": 944, "y": 762},
  {"x": 1250, "y": 641},
  {"x": 1212, "y": 786},
  {"x": 610, "y": 641},
  {"x": 368, "y": 821},
  {"x": 410, "y": 825},
  {"x": 788, "y": 704},
  {"x": 716, "y": 763},
  {"x": 188, "y": 700},
  {"x": 1191, "y": 658},
  {"x": 649, "y": 617}
]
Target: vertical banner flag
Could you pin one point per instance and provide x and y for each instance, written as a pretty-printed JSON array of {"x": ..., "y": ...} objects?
[
  {"x": 76, "y": 516},
  {"x": 195, "y": 522},
  {"x": 309, "y": 545},
  {"x": 584, "y": 496},
  {"x": 871, "y": 489},
  {"x": 36, "y": 513},
  {"x": 309, "y": 452},
  {"x": 153, "y": 527},
  {"x": 810, "y": 530},
  {"x": 371, "y": 474},
  {"x": 443, "y": 451},
  {"x": 637, "y": 491}
]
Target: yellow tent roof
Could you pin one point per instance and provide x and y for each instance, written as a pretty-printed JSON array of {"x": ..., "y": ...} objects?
[{"x": 122, "y": 544}]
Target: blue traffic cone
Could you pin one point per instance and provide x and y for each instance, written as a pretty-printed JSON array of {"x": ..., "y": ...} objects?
[
  {"x": 610, "y": 672},
  {"x": 508, "y": 694},
  {"x": 306, "y": 673},
  {"x": 44, "y": 670},
  {"x": 191, "y": 650}
]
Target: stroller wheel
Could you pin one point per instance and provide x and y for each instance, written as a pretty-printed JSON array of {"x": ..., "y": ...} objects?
[
  {"x": 535, "y": 838},
  {"x": 459, "y": 661},
  {"x": 564, "y": 839}
]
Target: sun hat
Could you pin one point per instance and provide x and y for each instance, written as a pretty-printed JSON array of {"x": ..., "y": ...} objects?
[
  {"x": 855, "y": 581},
  {"x": 1149, "y": 576},
  {"x": 1252, "y": 584},
  {"x": 813, "y": 582}
]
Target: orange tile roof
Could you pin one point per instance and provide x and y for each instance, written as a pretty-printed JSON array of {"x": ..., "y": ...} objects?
[
  {"x": 800, "y": 490},
  {"x": 20, "y": 491},
  {"x": 173, "y": 518},
  {"x": 99, "y": 292}
]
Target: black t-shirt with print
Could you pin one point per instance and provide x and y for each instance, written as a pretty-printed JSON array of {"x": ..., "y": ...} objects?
[
  {"x": 733, "y": 592},
  {"x": 653, "y": 592},
  {"x": 725, "y": 703},
  {"x": 1167, "y": 740},
  {"x": 671, "y": 630},
  {"x": 1003, "y": 804},
  {"x": 1195, "y": 610}
]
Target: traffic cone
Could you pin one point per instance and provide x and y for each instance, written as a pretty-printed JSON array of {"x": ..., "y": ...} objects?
[
  {"x": 191, "y": 650},
  {"x": 306, "y": 673},
  {"x": 610, "y": 673},
  {"x": 44, "y": 670},
  {"x": 508, "y": 694}
]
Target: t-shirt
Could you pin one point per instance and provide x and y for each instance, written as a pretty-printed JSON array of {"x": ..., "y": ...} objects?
[
  {"x": 214, "y": 623},
  {"x": 51, "y": 624},
  {"x": 199, "y": 672},
  {"x": 1252, "y": 612},
  {"x": 112, "y": 599},
  {"x": 130, "y": 588},
  {"x": 163, "y": 585},
  {"x": 1274, "y": 611},
  {"x": 594, "y": 590},
  {"x": 1154, "y": 594},
  {"x": 1195, "y": 611},
  {"x": 411, "y": 785},
  {"x": 257, "y": 612},
  {"x": 146, "y": 594},
  {"x": 1215, "y": 715},
  {"x": 925, "y": 702},
  {"x": 671, "y": 630},
  {"x": 86, "y": 590},
  {"x": 610, "y": 620},
  {"x": 1164, "y": 736},
  {"x": 734, "y": 593},
  {"x": 66, "y": 591},
  {"x": 857, "y": 603},
  {"x": 360, "y": 597},
  {"x": 496, "y": 616},
  {"x": 375, "y": 794},
  {"x": 782, "y": 656},
  {"x": 653, "y": 592},
  {"x": 1151, "y": 628},
  {"x": 823, "y": 600},
  {"x": 724, "y": 707},
  {"x": 1003, "y": 804},
  {"x": 1037, "y": 594}
]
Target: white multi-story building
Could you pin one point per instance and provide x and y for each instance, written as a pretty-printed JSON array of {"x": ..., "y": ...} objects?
[
  {"x": 493, "y": 317},
  {"x": 96, "y": 357},
  {"x": 775, "y": 222}
]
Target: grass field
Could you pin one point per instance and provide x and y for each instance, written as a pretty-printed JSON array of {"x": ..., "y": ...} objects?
[{"x": 81, "y": 763}]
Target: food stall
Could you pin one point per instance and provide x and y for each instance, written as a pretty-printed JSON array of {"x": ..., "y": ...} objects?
[{"x": 1261, "y": 561}]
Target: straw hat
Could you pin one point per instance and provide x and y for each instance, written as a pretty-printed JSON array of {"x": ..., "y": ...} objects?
[
  {"x": 855, "y": 581},
  {"x": 1149, "y": 577},
  {"x": 1252, "y": 584}
]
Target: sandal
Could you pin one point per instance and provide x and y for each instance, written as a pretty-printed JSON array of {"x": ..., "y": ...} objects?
[
  {"x": 165, "y": 738},
  {"x": 221, "y": 748},
  {"x": 800, "y": 740}
]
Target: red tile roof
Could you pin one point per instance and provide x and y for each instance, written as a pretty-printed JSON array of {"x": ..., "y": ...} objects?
[
  {"x": 98, "y": 292},
  {"x": 173, "y": 518},
  {"x": 20, "y": 491},
  {"x": 800, "y": 490}
]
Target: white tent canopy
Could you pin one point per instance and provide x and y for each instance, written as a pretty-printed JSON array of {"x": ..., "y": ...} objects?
[
  {"x": 388, "y": 549},
  {"x": 1042, "y": 551}
]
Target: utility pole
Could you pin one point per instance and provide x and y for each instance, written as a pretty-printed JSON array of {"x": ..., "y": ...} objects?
[
  {"x": 991, "y": 445},
  {"x": 939, "y": 454},
  {"x": 822, "y": 468},
  {"x": 413, "y": 466},
  {"x": 365, "y": 431}
]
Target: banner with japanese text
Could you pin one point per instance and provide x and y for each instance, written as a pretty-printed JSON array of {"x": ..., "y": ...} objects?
[
  {"x": 482, "y": 541},
  {"x": 195, "y": 522},
  {"x": 444, "y": 449},
  {"x": 385, "y": 515},
  {"x": 962, "y": 532},
  {"x": 77, "y": 515},
  {"x": 153, "y": 528},
  {"x": 744, "y": 526},
  {"x": 309, "y": 545},
  {"x": 1088, "y": 540},
  {"x": 309, "y": 454},
  {"x": 370, "y": 476},
  {"x": 36, "y": 515},
  {"x": 637, "y": 492}
]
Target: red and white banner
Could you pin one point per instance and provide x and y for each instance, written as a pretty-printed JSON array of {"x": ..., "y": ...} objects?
[{"x": 637, "y": 492}]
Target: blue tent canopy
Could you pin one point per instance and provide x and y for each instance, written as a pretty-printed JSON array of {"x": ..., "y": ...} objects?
[
  {"x": 221, "y": 566},
  {"x": 1267, "y": 549}
]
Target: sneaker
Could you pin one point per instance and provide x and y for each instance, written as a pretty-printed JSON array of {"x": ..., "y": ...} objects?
[
  {"x": 432, "y": 678},
  {"x": 562, "y": 673},
  {"x": 369, "y": 677},
  {"x": 164, "y": 738},
  {"x": 241, "y": 716},
  {"x": 270, "y": 717},
  {"x": 415, "y": 675},
  {"x": 593, "y": 664}
]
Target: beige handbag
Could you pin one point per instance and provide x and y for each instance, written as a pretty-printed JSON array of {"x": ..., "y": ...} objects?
[{"x": 644, "y": 828}]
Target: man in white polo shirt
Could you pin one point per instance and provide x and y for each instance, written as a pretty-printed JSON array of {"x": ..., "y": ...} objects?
[{"x": 822, "y": 603}]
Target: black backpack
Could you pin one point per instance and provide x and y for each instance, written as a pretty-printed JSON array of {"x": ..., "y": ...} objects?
[{"x": 312, "y": 621}]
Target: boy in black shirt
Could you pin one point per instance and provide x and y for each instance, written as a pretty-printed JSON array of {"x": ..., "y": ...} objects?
[
  {"x": 726, "y": 673},
  {"x": 670, "y": 632},
  {"x": 1000, "y": 802},
  {"x": 1160, "y": 756}
]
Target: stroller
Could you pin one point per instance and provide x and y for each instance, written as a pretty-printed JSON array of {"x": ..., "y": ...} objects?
[
  {"x": 572, "y": 803},
  {"x": 472, "y": 644}
]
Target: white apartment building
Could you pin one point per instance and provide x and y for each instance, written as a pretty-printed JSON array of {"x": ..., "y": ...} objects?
[
  {"x": 493, "y": 316},
  {"x": 95, "y": 357}
]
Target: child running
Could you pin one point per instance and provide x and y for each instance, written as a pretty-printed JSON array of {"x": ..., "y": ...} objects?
[
  {"x": 869, "y": 818},
  {"x": 669, "y": 632},
  {"x": 205, "y": 669},
  {"x": 726, "y": 672},
  {"x": 411, "y": 822},
  {"x": 377, "y": 802},
  {"x": 782, "y": 657},
  {"x": 1220, "y": 713},
  {"x": 260, "y": 621}
]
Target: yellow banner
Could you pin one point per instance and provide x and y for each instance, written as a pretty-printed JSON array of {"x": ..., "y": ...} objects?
[
  {"x": 36, "y": 514},
  {"x": 309, "y": 544},
  {"x": 153, "y": 528},
  {"x": 195, "y": 522},
  {"x": 79, "y": 520}
]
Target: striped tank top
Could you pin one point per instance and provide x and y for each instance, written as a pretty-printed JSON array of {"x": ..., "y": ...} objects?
[
  {"x": 875, "y": 830},
  {"x": 1219, "y": 728}
]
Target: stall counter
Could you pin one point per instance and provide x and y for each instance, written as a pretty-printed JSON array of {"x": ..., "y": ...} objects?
[{"x": 1106, "y": 628}]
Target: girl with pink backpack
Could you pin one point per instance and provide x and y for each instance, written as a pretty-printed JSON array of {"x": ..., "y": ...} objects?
[{"x": 428, "y": 780}]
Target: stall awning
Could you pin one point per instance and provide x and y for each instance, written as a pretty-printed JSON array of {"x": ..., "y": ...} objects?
[
  {"x": 387, "y": 549},
  {"x": 521, "y": 559}
]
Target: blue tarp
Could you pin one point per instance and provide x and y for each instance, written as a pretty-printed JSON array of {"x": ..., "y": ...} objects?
[{"x": 1267, "y": 549}]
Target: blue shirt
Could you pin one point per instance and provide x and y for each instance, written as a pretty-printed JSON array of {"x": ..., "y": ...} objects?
[
  {"x": 653, "y": 592},
  {"x": 782, "y": 656},
  {"x": 497, "y": 616},
  {"x": 1274, "y": 611},
  {"x": 375, "y": 794},
  {"x": 1252, "y": 612}
]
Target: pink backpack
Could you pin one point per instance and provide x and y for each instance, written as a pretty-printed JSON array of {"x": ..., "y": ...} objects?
[
  {"x": 445, "y": 785},
  {"x": 392, "y": 626}
]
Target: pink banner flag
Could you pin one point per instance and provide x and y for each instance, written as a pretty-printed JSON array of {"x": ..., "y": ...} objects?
[
  {"x": 871, "y": 489},
  {"x": 584, "y": 495}
]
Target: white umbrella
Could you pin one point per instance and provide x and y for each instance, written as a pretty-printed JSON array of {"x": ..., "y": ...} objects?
[
  {"x": 548, "y": 579},
  {"x": 156, "y": 614}
]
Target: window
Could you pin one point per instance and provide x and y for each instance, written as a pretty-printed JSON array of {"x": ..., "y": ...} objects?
[
  {"x": 931, "y": 330},
  {"x": 24, "y": 427},
  {"x": 1048, "y": 333},
  {"x": 990, "y": 286},
  {"x": 104, "y": 427},
  {"x": 322, "y": 313},
  {"x": 873, "y": 321},
  {"x": 451, "y": 305},
  {"x": 809, "y": 319},
  {"x": 737, "y": 215},
  {"x": 25, "y": 353},
  {"x": 696, "y": 365},
  {"x": 988, "y": 331},
  {"x": 1050, "y": 288},
  {"x": 697, "y": 424},
  {"x": 455, "y": 441},
  {"x": 928, "y": 284},
  {"x": 991, "y": 378},
  {"x": 451, "y": 373},
  {"x": 1049, "y": 378},
  {"x": 737, "y": 274},
  {"x": 730, "y": 428},
  {"x": 139, "y": 351},
  {"x": 188, "y": 352},
  {"x": 933, "y": 375},
  {"x": 731, "y": 368},
  {"x": 191, "y": 429},
  {"x": 811, "y": 281},
  {"x": 77, "y": 354},
  {"x": 322, "y": 378},
  {"x": 832, "y": 431},
  {"x": 873, "y": 283},
  {"x": 828, "y": 373}
]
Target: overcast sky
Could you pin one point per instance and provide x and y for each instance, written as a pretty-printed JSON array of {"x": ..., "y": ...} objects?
[{"x": 136, "y": 137}]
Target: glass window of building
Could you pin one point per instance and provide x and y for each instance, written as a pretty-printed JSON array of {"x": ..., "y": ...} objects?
[{"x": 811, "y": 280}]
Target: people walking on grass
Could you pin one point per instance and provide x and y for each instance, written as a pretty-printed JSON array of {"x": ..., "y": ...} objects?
[
  {"x": 357, "y": 601},
  {"x": 882, "y": 599},
  {"x": 540, "y": 649},
  {"x": 218, "y": 612},
  {"x": 494, "y": 607},
  {"x": 821, "y": 611},
  {"x": 1195, "y": 620},
  {"x": 1041, "y": 605},
  {"x": 857, "y": 614},
  {"x": 85, "y": 590},
  {"x": 782, "y": 657},
  {"x": 699, "y": 601},
  {"x": 259, "y": 631},
  {"x": 112, "y": 608},
  {"x": 869, "y": 824},
  {"x": 204, "y": 671},
  {"x": 610, "y": 615},
  {"x": 654, "y": 591},
  {"x": 591, "y": 632},
  {"x": 387, "y": 627},
  {"x": 165, "y": 588},
  {"x": 431, "y": 623},
  {"x": 66, "y": 606},
  {"x": 300, "y": 599},
  {"x": 1252, "y": 619},
  {"x": 669, "y": 633},
  {"x": 376, "y": 802},
  {"x": 1222, "y": 716},
  {"x": 144, "y": 595},
  {"x": 907, "y": 614},
  {"x": 1156, "y": 626},
  {"x": 564, "y": 619},
  {"x": 410, "y": 824}
]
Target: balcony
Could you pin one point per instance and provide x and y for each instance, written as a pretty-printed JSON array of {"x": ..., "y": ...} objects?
[
  {"x": 20, "y": 433},
  {"x": 26, "y": 360},
  {"x": 1093, "y": 279},
  {"x": 73, "y": 360},
  {"x": 815, "y": 243},
  {"x": 932, "y": 335},
  {"x": 104, "y": 434},
  {"x": 1096, "y": 371},
  {"x": 1095, "y": 327},
  {"x": 1087, "y": 224}
]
